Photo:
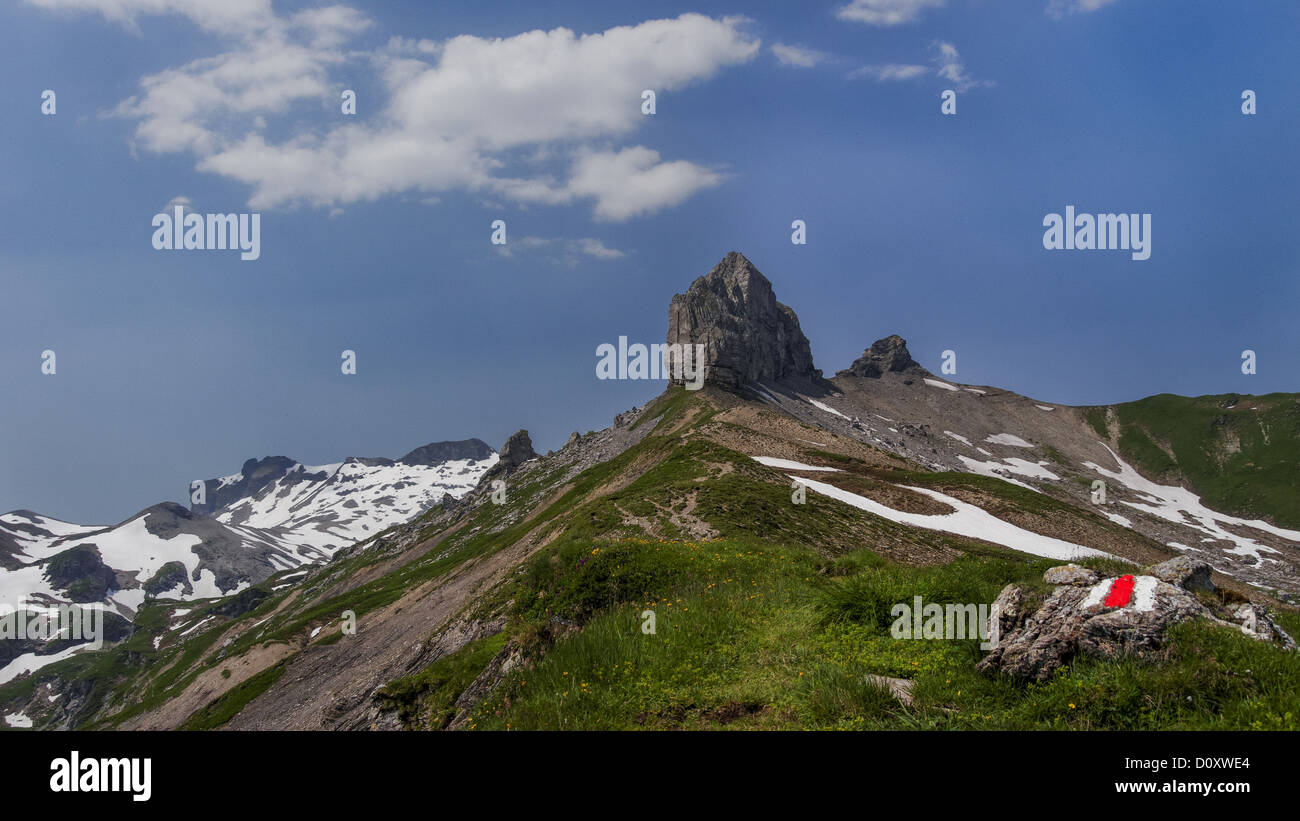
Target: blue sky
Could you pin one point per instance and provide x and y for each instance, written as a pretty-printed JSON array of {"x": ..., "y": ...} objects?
[{"x": 174, "y": 366}]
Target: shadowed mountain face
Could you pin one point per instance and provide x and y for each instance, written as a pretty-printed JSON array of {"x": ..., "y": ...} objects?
[
  {"x": 747, "y": 335},
  {"x": 770, "y": 509},
  {"x": 471, "y": 450}
]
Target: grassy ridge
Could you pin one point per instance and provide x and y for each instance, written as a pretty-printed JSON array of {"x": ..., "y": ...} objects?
[
  {"x": 1237, "y": 458},
  {"x": 752, "y": 635},
  {"x": 778, "y": 620}
]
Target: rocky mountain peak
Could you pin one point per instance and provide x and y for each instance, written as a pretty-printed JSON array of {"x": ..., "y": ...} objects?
[
  {"x": 747, "y": 335},
  {"x": 888, "y": 355}
]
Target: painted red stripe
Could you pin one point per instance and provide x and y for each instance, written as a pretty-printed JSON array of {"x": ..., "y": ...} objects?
[{"x": 1121, "y": 591}]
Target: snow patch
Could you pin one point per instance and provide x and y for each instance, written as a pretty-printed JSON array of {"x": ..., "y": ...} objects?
[
  {"x": 966, "y": 520},
  {"x": 17, "y": 720},
  {"x": 1020, "y": 467},
  {"x": 1181, "y": 506},
  {"x": 1118, "y": 519},
  {"x": 821, "y": 406},
  {"x": 1008, "y": 439},
  {"x": 30, "y": 662},
  {"x": 786, "y": 464}
]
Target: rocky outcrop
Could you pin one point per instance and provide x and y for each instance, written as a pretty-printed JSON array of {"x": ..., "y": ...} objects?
[
  {"x": 747, "y": 335},
  {"x": 888, "y": 355},
  {"x": 517, "y": 450},
  {"x": 1111, "y": 617},
  {"x": 253, "y": 476},
  {"x": 81, "y": 573}
]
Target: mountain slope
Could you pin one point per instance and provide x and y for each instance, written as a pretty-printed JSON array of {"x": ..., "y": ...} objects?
[
  {"x": 1240, "y": 452},
  {"x": 764, "y": 528}
]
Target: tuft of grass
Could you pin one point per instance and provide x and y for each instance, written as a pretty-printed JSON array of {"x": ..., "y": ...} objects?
[
  {"x": 426, "y": 700},
  {"x": 868, "y": 596},
  {"x": 228, "y": 705}
]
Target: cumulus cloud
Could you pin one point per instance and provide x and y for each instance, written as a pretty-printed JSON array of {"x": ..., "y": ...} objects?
[
  {"x": 885, "y": 12},
  {"x": 529, "y": 118},
  {"x": 635, "y": 181}
]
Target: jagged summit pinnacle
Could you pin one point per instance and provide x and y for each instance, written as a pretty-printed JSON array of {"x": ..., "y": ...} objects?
[
  {"x": 517, "y": 450},
  {"x": 888, "y": 355},
  {"x": 747, "y": 335}
]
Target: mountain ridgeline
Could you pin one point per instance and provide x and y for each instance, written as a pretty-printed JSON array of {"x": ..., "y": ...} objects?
[{"x": 732, "y": 556}]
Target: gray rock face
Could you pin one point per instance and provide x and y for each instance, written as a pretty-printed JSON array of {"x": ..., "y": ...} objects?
[
  {"x": 1082, "y": 619},
  {"x": 888, "y": 355},
  {"x": 255, "y": 475},
  {"x": 747, "y": 335},
  {"x": 1072, "y": 574},
  {"x": 517, "y": 450},
  {"x": 80, "y": 572},
  {"x": 1186, "y": 572}
]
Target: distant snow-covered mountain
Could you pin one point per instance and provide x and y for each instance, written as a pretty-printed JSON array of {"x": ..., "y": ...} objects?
[{"x": 274, "y": 514}]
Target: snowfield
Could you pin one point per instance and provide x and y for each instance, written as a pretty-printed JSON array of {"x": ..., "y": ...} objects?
[
  {"x": 1182, "y": 507},
  {"x": 965, "y": 520}
]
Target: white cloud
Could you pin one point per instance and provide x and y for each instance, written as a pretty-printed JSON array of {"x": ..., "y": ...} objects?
[
  {"x": 884, "y": 12},
  {"x": 1059, "y": 8},
  {"x": 187, "y": 108},
  {"x": 634, "y": 181},
  {"x": 952, "y": 69},
  {"x": 596, "y": 248},
  {"x": 185, "y": 203},
  {"x": 797, "y": 56},
  {"x": 560, "y": 250},
  {"x": 224, "y": 16},
  {"x": 486, "y": 115},
  {"x": 889, "y": 72}
]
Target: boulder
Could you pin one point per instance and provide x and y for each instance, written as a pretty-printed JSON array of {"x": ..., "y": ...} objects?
[
  {"x": 1072, "y": 574},
  {"x": 1186, "y": 572},
  {"x": 1108, "y": 618}
]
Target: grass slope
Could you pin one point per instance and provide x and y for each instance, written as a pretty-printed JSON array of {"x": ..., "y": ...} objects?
[
  {"x": 776, "y": 619},
  {"x": 1238, "y": 452}
]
